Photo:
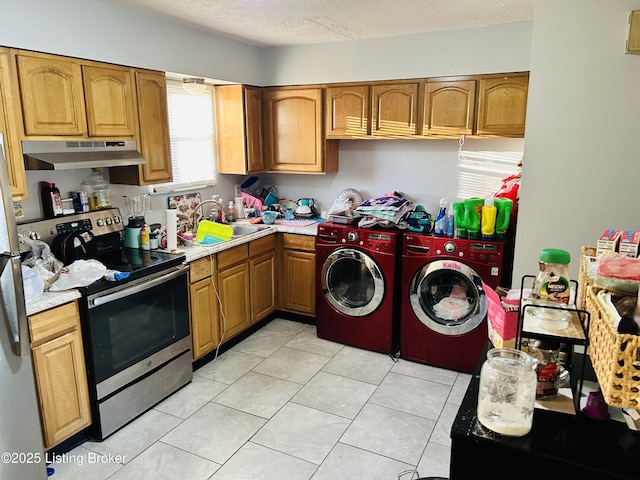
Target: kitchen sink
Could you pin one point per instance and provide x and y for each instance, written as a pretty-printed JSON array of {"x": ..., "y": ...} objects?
[{"x": 240, "y": 230}]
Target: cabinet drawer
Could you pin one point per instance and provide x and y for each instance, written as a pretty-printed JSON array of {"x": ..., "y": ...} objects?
[
  {"x": 232, "y": 256},
  {"x": 299, "y": 242},
  {"x": 53, "y": 323},
  {"x": 262, "y": 245},
  {"x": 201, "y": 268}
]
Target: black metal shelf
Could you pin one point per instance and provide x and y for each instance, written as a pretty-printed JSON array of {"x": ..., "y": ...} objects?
[{"x": 576, "y": 333}]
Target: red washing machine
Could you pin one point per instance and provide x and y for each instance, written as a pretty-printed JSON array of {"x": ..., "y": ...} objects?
[
  {"x": 443, "y": 304},
  {"x": 356, "y": 273}
]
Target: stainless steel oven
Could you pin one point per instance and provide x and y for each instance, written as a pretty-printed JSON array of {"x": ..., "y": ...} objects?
[
  {"x": 136, "y": 330},
  {"x": 139, "y": 345}
]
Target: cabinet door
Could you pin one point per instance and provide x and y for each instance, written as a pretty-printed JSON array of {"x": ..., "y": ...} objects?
[
  {"x": 109, "y": 98},
  {"x": 239, "y": 129},
  {"x": 502, "y": 105},
  {"x": 449, "y": 107},
  {"x": 154, "y": 127},
  {"x": 205, "y": 327},
  {"x": 9, "y": 118},
  {"x": 294, "y": 131},
  {"x": 394, "y": 109},
  {"x": 233, "y": 286},
  {"x": 299, "y": 285},
  {"x": 262, "y": 271},
  {"x": 52, "y": 95},
  {"x": 347, "y": 110},
  {"x": 62, "y": 387}
]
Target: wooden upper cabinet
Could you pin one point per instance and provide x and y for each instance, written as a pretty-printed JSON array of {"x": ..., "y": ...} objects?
[
  {"x": 294, "y": 133},
  {"x": 239, "y": 129},
  {"x": 52, "y": 95},
  {"x": 502, "y": 105},
  {"x": 10, "y": 118},
  {"x": 449, "y": 107},
  {"x": 109, "y": 96},
  {"x": 154, "y": 127},
  {"x": 347, "y": 111},
  {"x": 394, "y": 109}
]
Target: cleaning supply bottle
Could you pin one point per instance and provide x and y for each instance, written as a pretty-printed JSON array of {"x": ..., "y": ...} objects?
[
  {"x": 503, "y": 215},
  {"x": 450, "y": 224},
  {"x": 231, "y": 212},
  {"x": 473, "y": 216},
  {"x": 458, "y": 218},
  {"x": 144, "y": 237},
  {"x": 488, "y": 220},
  {"x": 440, "y": 227}
]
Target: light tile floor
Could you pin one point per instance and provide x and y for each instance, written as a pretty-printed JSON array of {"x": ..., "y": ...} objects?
[{"x": 286, "y": 405}]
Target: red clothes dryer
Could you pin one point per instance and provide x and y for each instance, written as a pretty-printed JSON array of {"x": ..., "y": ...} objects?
[
  {"x": 443, "y": 304},
  {"x": 356, "y": 276}
]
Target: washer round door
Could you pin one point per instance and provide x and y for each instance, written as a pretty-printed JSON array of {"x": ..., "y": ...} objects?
[
  {"x": 352, "y": 282},
  {"x": 447, "y": 296}
]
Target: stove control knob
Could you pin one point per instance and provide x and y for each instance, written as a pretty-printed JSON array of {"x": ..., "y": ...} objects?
[
  {"x": 100, "y": 222},
  {"x": 34, "y": 235},
  {"x": 109, "y": 221},
  {"x": 450, "y": 247},
  {"x": 352, "y": 236},
  {"x": 117, "y": 219}
]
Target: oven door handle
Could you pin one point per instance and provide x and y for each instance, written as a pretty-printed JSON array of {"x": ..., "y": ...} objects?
[{"x": 126, "y": 292}]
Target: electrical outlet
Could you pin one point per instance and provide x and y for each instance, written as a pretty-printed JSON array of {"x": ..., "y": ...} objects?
[{"x": 236, "y": 190}]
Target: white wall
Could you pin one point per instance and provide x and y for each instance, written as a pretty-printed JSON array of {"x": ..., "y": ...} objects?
[
  {"x": 499, "y": 48},
  {"x": 581, "y": 165},
  {"x": 96, "y": 30}
]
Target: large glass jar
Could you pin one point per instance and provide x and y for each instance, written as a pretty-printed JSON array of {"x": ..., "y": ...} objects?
[{"x": 507, "y": 392}]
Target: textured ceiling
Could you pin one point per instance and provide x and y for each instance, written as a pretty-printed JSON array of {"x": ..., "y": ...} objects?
[{"x": 295, "y": 22}]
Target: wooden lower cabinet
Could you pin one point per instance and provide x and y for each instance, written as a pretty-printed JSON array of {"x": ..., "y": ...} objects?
[
  {"x": 298, "y": 273},
  {"x": 60, "y": 373},
  {"x": 233, "y": 287},
  {"x": 203, "y": 304},
  {"x": 262, "y": 275}
]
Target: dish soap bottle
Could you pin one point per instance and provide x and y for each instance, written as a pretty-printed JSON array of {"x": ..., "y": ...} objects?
[{"x": 231, "y": 212}]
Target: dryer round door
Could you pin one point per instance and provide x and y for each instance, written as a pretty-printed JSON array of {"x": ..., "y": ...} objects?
[
  {"x": 447, "y": 296},
  {"x": 352, "y": 282}
]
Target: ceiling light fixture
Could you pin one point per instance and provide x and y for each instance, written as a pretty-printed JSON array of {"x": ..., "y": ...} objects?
[{"x": 194, "y": 86}]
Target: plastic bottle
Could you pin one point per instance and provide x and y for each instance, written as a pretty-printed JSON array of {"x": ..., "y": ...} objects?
[
  {"x": 488, "y": 219},
  {"x": 450, "y": 224},
  {"x": 440, "y": 227},
  {"x": 231, "y": 212},
  {"x": 458, "y": 217},
  {"x": 51, "y": 200},
  {"x": 99, "y": 190},
  {"x": 144, "y": 237}
]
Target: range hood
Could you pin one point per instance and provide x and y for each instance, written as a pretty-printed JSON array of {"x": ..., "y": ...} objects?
[{"x": 62, "y": 155}]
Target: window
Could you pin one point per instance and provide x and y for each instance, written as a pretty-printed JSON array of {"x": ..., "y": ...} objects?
[{"x": 192, "y": 136}]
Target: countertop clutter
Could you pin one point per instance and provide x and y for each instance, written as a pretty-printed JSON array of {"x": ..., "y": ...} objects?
[
  {"x": 568, "y": 446},
  {"x": 52, "y": 299}
]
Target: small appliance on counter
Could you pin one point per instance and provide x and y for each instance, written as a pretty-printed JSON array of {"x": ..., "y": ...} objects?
[
  {"x": 137, "y": 205},
  {"x": 305, "y": 208}
]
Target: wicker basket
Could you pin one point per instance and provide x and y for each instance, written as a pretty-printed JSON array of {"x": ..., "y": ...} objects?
[
  {"x": 584, "y": 280},
  {"x": 615, "y": 356}
]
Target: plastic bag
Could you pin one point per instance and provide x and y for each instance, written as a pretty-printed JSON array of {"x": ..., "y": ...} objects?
[
  {"x": 32, "y": 283},
  {"x": 78, "y": 274}
]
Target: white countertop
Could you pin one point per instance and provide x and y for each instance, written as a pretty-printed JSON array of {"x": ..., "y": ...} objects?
[{"x": 53, "y": 299}]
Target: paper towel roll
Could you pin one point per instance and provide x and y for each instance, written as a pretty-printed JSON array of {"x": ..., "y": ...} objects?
[{"x": 172, "y": 229}]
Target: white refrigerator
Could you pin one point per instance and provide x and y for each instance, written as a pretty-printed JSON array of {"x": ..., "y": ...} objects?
[{"x": 21, "y": 452}]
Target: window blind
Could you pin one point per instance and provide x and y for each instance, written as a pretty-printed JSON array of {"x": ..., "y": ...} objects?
[{"x": 192, "y": 138}]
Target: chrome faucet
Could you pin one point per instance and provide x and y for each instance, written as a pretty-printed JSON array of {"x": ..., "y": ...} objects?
[{"x": 195, "y": 210}]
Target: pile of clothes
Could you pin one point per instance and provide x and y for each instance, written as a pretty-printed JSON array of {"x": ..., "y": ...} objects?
[{"x": 391, "y": 211}]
